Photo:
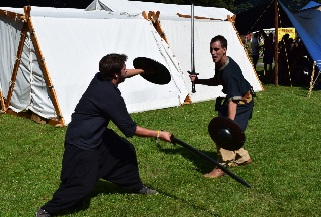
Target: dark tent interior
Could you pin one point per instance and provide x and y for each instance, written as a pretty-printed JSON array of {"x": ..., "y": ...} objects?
[{"x": 294, "y": 65}]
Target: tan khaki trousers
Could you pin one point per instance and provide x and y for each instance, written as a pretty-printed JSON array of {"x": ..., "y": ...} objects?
[{"x": 226, "y": 157}]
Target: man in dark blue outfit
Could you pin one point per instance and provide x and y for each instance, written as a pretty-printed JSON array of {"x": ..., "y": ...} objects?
[
  {"x": 238, "y": 103},
  {"x": 92, "y": 151}
]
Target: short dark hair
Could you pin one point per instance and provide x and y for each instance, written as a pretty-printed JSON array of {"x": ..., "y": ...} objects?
[
  {"x": 221, "y": 39},
  {"x": 111, "y": 64}
]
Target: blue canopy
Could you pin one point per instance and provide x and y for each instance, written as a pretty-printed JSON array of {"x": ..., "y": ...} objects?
[
  {"x": 308, "y": 25},
  {"x": 311, "y": 4}
]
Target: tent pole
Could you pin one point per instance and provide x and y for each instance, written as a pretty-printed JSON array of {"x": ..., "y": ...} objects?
[
  {"x": 16, "y": 65},
  {"x": 2, "y": 103},
  {"x": 44, "y": 67},
  {"x": 311, "y": 82},
  {"x": 276, "y": 43}
]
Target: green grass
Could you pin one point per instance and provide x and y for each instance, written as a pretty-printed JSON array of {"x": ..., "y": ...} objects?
[{"x": 283, "y": 138}]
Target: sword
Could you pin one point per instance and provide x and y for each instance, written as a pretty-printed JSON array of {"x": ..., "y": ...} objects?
[
  {"x": 192, "y": 72},
  {"x": 225, "y": 170}
]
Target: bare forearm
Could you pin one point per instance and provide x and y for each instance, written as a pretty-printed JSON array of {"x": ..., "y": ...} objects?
[
  {"x": 143, "y": 132},
  {"x": 231, "y": 110},
  {"x": 209, "y": 82},
  {"x": 133, "y": 72}
]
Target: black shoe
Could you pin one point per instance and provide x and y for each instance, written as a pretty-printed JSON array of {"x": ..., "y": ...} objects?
[
  {"x": 42, "y": 213},
  {"x": 147, "y": 190}
]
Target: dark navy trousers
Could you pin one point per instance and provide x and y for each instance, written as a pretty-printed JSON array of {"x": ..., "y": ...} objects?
[{"x": 115, "y": 161}]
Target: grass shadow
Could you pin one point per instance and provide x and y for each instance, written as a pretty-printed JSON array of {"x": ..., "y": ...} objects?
[
  {"x": 201, "y": 163},
  {"x": 101, "y": 187},
  {"x": 190, "y": 203}
]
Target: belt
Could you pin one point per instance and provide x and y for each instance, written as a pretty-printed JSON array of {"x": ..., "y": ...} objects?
[{"x": 247, "y": 98}]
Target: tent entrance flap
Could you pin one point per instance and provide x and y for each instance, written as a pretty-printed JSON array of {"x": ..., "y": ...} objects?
[{"x": 27, "y": 31}]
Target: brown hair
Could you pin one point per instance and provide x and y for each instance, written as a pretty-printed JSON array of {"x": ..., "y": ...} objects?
[
  {"x": 221, "y": 39},
  {"x": 111, "y": 64}
]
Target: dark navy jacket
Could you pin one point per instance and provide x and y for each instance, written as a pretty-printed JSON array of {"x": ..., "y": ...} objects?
[{"x": 101, "y": 102}]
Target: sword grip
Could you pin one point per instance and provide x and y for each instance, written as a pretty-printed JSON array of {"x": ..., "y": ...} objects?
[
  {"x": 193, "y": 87},
  {"x": 193, "y": 82}
]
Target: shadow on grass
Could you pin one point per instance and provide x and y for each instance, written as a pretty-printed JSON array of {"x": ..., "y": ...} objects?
[
  {"x": 190, "y": 203},
  {"x": 203, "y": 165},
  {"x": 102, "y": 187},
  {"x": 105, "y": 187}
]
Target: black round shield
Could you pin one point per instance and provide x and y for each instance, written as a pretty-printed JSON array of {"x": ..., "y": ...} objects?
[
  {"x": 226, "y": 133},
  {"x": 154, "y": 71}
]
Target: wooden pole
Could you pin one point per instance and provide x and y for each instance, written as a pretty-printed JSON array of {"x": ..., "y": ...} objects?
[
  {"x": 276, "y": 44},
  {"x": 2, "y": 103},
  {"x": 311, "y": 82}
]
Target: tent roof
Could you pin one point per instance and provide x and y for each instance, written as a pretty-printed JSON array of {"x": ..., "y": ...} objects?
[
  {"x": 165, "y": 9},
  {"x": 72, "y": 13}
]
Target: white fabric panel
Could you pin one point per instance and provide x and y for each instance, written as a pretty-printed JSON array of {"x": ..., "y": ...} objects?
[
  {"x": 41, "y": 102},
  {"x": 73, "y": 48},
  {"x": 9, "y": 40},
  {"x": 178, "y": 34},
  {"x": 21, "y": 96}
]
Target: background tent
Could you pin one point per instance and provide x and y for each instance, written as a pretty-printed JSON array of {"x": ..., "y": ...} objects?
[
  {"x": 307, "y": 23},
  {"x": 260, "y": 17},
  {"x": 165, "y": 9},
  {"x": 177, "y": 31},
  {"x": 61, "y": 56}
]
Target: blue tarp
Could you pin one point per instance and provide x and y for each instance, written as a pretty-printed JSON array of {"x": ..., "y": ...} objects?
[
  {"x": 308, "y": 25},
  {"x": 311, "y": 4}
]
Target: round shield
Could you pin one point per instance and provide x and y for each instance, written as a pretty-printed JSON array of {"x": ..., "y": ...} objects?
[
  {"x": 154, "y": 71},
  {"x": 226, "y": 133}
]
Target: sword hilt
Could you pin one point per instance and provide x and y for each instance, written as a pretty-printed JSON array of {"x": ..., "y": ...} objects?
[{"x": 193, "y": 82}]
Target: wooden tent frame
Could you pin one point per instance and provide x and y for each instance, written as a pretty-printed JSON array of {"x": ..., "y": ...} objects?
[{"x": 5, "y": 103}]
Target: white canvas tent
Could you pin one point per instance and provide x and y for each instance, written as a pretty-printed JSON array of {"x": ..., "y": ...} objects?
[
  {"x": 165, "y": 9},
  {"x": 49, "y": 56},
  {"x": 177, "y": 31}
]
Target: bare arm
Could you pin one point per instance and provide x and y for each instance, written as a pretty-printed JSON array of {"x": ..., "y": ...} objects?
[
  {"x": 143, "y": 132},
  {"x": 209, "y": 82},
  {"x": 133, "y": 72},
  {"x": 231, "y": 110}
]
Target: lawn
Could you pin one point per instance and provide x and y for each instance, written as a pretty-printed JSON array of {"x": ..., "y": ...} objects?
[{"x": 283, "y": 139}]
